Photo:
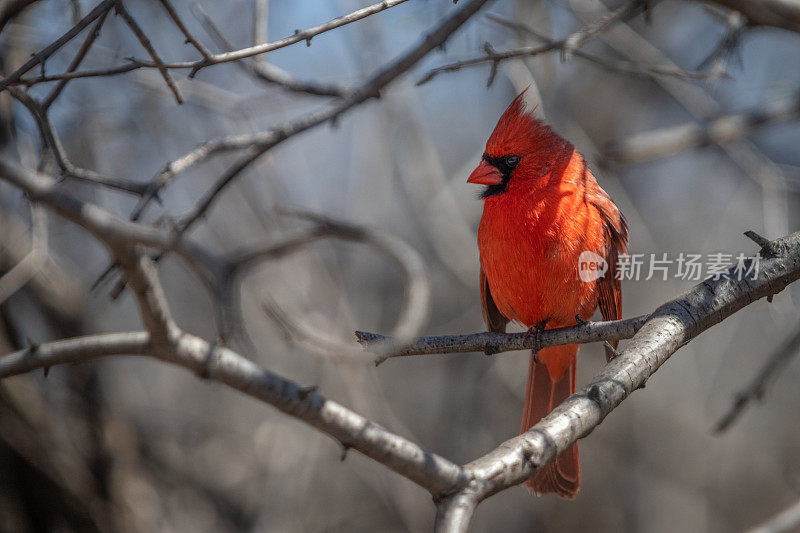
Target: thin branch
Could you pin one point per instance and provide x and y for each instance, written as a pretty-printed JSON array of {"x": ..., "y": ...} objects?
[
  {"x": 53, "y": 142},
  {"x": 662, "y": 142},
  {"x": 77, "y": 60},
  {"x": 549, "y": 45},
  {"x": 186, "y": 33},
  {"x": 40, "y": 57},
  {"x": 259, "y": 143},
  {"x": 756, "y": 389},
  {"x": 216, "y": 59},
  {"x": 735, "y": 24},
  {"x": 580, "y": 37},
  {"x": 266, "y": 72},
  {"x": 148, "y": 46},
  {"x": 492, "y": 343}
]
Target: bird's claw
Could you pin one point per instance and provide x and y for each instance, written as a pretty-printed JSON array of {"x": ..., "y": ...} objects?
[{"x": 535, "y": 333}]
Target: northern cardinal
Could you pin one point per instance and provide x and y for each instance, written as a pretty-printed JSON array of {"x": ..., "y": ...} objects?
[{"x": 542, "y": 209}]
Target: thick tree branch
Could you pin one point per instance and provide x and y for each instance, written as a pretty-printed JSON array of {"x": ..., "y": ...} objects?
[
  {"x": 668, "y": 328},
  {"x": 434, "y": 473},
  {"x": 665, "y": 331}
]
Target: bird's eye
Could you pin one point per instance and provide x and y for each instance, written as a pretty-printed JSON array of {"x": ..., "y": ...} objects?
[{"x": 512, "y": 160}]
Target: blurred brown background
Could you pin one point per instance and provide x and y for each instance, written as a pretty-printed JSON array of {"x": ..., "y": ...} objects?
[{"x": 133, "y": 445}]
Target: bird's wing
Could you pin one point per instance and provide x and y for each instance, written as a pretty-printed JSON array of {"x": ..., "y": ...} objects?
[
  {"x": 495, "y": 320},
  {"x": 615, "y": 230}
]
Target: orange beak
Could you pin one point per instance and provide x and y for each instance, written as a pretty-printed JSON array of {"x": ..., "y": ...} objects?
[{"x": 485, "y": 174}]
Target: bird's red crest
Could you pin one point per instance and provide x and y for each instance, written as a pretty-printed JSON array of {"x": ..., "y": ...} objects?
[{"x": 515, "y": 130}]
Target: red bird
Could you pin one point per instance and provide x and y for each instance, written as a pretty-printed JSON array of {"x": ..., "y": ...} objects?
[{"x": 542, "y": 209}]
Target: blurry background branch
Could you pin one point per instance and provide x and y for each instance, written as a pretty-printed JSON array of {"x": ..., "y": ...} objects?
[
  {"x": 757, "y": 388},
  {"x": 660, "y": 143},
  {"x": 783, "y": 14}
]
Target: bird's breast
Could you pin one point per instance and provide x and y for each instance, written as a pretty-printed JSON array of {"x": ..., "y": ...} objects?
[{"x": 529, "y": 248}]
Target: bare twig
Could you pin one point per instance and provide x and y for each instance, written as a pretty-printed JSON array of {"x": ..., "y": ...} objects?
[
  {"x": 65, "y": 165},
  {"x": 580, "y": 37},
  {"x": 42, "y": 56},
  {"x": 186, "y": 33},
  {"x": 758, "y": 387},
  {"x": 194, "y": 66},
  {"x": 76, "y": 61},
  {"x": 266, "y": 72},
  {"x": 148, "y": 46},
  {"x": 492, "y": 343},
  {"x": 140, "y": 272},
  {"x": 258, "y": 144},
  {"x": 735, "y": 24},
  {"x": 549, "y": 45},
  {"x": 259, "y": 23}
]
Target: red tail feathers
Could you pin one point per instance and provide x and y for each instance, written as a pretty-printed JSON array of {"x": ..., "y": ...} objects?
[{"x": 562, "y": 476}]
